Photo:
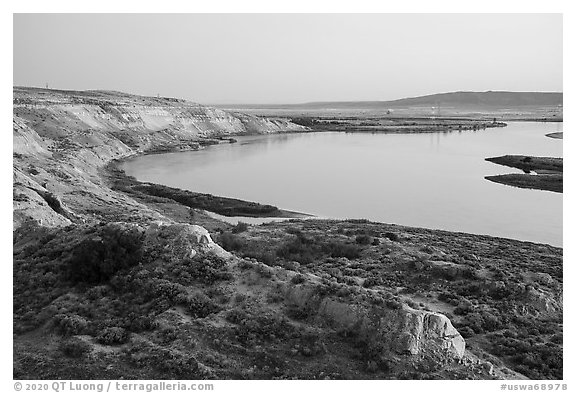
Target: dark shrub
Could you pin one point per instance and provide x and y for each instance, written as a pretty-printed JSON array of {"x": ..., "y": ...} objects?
[
  {"x": 300, "y": 249},
  {"x": 299, "y": 313},
  {"x": 449, "y": 298},
  {"x": 392, "y": 236},
  {"x": 172, "y": 364},
  {"x": 363, "y": 239},
  {"x": 306, "y": 250},
  {"x": 141, "y": 323},
  {"x": 240, "y": 227},
  {"x": 371, "y": 281},
  {"x": 207, "y": 268},
  {"x": 298, "y": 279},
  {"x": 70, "y": 324},
  {"x": 490, "y": 322},
  {"x": 266, "y": 257},
  {"x": 112, "y": 336},
  {"x": 466, "y": 332},
  {"x": 230, "y": 242},
  {"x": 236, "y": 316},
  {"x": 74, "y": 347},
  {"x": 293, "y": 231},
  {"x": 393, "y": 304},
  {"x": 338, "y": 250},
  {"x": 167, "y": 334},
  {"x": 200, "y": 305},
  {"x": 98, "y": 258}
]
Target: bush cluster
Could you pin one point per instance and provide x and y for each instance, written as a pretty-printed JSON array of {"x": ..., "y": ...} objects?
[
  {"x": 112, "y": 336},
  {"x": 97, "y": 258}
]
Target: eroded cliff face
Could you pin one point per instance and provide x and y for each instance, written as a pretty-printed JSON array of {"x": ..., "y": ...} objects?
[{"x": 62, "y": 138}]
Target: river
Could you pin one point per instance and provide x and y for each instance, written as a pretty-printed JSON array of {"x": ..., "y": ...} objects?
[{"x": 426, "y": 180}]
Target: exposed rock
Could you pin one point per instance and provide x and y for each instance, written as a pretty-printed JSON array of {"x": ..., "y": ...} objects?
[
  {"x": 425, "y": 329},
  {"x": 180, "y": 240},
  {"x": 541, "y": 301},
  {"x": 488, "y": 368},
  {"x": 405, "y": 330}
]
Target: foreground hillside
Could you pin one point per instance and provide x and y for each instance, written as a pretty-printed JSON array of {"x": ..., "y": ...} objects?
[{"x": 113, "y": 279}]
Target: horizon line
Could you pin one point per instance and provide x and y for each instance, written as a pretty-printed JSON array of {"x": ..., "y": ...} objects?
[{"x": 284, "y": 103}]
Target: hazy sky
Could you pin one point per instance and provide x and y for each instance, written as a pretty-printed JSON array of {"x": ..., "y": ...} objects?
[{"x": 285, "y": 58}]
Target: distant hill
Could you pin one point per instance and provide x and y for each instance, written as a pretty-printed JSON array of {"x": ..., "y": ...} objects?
[{"x": 460, "y": 99}]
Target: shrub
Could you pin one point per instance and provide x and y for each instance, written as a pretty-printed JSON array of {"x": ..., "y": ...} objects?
[
  {"x": 363, "y": 239},
  {"x": 236, "y": 316},
  {"x": 298, "y": 279},
  {"x": 393, "y": 304},
  {"x": 466, "y": 332},
  {"x": 98, "y": 258},
  {"x": 112, "y": 336},
  {"x": 299, "y": 313},
  {"x": 339, "y": 249},
  {"x": 263, "y": 327},
  {"x": 392, "y": 236},
  {"x": 200, "y": 305},
  {"x": 240, "y": 227},
  {"x": 266, "y": 257},
  {"x": 172, "y": 364},
  {"x": 70, "y": 324},
  {"x": 305, "y": 250},
  {"x": 300, "y": 249},
  {"x": 74, "y": 347},
  {"x": 230, "y": 242},
  {"x": 371, "y": 281},
  {"x": 142, "y": 323},
  {"x": 207, "y": 268}
]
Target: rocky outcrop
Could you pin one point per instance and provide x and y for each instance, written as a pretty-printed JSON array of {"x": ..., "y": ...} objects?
[
  {"x": 180, "y": 241},
  {"x": 403, "y": 329},
  {"x": 424, "y": 329}
]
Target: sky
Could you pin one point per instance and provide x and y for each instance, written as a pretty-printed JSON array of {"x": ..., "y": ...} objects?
[{"x": 289, "y": 58}]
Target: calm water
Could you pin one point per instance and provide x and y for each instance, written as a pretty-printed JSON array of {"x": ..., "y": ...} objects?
[{"x": 425, "y": 180}]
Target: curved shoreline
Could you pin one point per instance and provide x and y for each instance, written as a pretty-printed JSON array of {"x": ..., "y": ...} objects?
[
  {"x": 233, "y": 207},
  {"x": 134, "y": 187},
  {"x": 225, "y": 206}
]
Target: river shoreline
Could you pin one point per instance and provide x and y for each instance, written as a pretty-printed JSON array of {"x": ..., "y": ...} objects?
[{"x": 540, "y": 173}]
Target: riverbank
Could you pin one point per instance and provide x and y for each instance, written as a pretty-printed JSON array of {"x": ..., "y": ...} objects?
[
  {"x": 556, "y": 135},
  {"x": 547, "y": 172},
  {"x": 230, "y": 207},
  {"x": 401, "y": 125}
]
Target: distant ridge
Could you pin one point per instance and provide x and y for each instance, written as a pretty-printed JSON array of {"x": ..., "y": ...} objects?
[{"x": 460, "y": 99}]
